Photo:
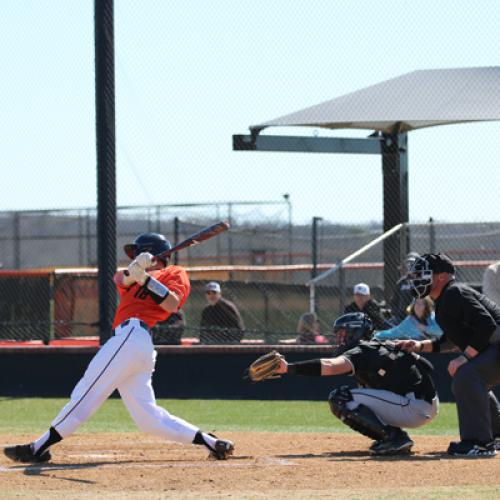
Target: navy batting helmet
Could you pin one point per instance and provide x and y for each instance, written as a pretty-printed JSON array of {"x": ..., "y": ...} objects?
[{"x": 153, "y": 243}]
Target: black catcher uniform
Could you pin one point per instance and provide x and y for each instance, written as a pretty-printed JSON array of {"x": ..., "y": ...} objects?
[{"x": 395, "y": 390}]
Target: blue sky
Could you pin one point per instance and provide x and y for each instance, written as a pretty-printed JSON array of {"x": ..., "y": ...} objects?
[{"x": 191, "y": 74}]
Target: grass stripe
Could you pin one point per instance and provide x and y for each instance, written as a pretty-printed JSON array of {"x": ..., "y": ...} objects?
[{"x": 28, "y": 415}]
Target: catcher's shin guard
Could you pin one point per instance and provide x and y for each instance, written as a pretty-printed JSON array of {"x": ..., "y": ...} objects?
[{"x": 361, "y": 419}]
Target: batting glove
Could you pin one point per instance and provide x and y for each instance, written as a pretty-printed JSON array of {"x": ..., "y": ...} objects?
[
  {"x": 144, "y": 260},
  {"x": 136, "y": 272}
]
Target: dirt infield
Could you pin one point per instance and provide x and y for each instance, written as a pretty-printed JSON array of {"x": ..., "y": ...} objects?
[{"x": 265, "y": 464}]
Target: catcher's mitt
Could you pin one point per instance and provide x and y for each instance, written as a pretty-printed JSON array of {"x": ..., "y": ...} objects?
[{"x": 265, "y": 367}]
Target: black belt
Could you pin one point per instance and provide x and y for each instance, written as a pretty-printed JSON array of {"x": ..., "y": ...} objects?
[{"x": 144, "y": 325}]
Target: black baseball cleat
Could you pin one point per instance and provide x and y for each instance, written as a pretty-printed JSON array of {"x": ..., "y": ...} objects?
[
  {"x": 24, "y": 453},
  {"x": 398, "y": 443},
  {"x": 222, "y": 450},
  {"x": 471, "y": 448}
]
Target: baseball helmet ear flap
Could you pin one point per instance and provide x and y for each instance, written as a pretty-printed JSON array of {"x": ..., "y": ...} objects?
[
  {"x": 129, "y": 249},
  {"x": 153, "y": 243}
]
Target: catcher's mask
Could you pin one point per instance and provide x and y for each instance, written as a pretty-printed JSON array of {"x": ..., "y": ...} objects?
[
  {"x": 153, "y": 243},
  {"x": 350, "y": 328}
]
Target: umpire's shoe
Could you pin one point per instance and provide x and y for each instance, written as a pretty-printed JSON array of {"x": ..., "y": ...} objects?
[
  {"x": 222, "y": 450},
  {"x": 24, "y": 453},
  {"x": 471, "y": 448},
  {"x": 398, "y": 443},
  {"x": 496, "y": 442}
]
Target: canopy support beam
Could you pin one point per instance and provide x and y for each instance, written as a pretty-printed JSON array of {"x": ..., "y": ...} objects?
[{"x": 394, "y": 151}]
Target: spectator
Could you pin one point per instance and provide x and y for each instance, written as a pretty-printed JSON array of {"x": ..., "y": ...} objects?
[
  {"x": 402, "y": 296},
  {"x": 308, "y": 329},
  {"x": 365, "y": 304},
  {"x": 170, "y": 331},
  {"x": 420, "y": 324},
  {"x": 491, "y": 282},
  {"x": 221, "y": 322}
]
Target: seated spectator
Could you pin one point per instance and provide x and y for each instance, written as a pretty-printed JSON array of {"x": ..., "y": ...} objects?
[
  {"x": 221, "y": 322},
  {"x": 170, "y": 332},
  {"x": 308, "y": 330},
  {"x": 364, "y": 303},
  {"x": 402, "y": 297},
  {"x": 420, "y": 324},
  {"x": 491, "y": 282}
]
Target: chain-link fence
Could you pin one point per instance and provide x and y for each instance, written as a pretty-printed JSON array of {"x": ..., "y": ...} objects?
[
  {"x": 271, "y": 297},
  {"x": 183, "y": 80},
  {"x": 55, "y": 238}
]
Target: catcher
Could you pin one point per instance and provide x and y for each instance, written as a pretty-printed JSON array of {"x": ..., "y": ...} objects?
[{"x": 395, "y": 388}]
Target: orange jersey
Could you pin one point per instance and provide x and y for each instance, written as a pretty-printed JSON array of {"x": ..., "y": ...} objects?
[{"x": 137, "y": 303}]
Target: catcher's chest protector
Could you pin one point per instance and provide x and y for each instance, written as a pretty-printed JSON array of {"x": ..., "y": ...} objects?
[{"x": 384, "y": 367}]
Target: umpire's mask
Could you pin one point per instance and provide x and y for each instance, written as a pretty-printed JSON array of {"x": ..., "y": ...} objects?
[{"x": 420, "y": 278}]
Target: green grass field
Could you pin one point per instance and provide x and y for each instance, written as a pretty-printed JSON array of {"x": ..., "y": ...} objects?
[{"x": 19, "y": 415}]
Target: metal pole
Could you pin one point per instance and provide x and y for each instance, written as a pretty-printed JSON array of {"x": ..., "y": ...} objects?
[
  {"x": 230, "y": 237},
  {"x": 106, "y": 163},
  {"x": 17, "y": 240},
  {"x": 158, "y": 220},
  {"x": 314, "y": 251},
  {"x": 432, "y": 236},
  {"x": 80, "y": 239},
  {"x": 342, "y": 289},
  {"x": 314, "y": 246},
  {"x": 290, "y": 228},
  {"x": 395, "y": 181},
  {"x": 176, "y": 239},
  {"x": 312, "y": 297},
  {"x": 218, "y": 240},
  {"x": 88, "y": 238}
]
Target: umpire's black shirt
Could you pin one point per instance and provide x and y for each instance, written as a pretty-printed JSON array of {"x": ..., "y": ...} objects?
[{"x": 467, "y": 317}]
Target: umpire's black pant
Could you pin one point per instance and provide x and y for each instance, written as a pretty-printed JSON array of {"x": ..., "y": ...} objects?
[{"x": 478, "y": 408}]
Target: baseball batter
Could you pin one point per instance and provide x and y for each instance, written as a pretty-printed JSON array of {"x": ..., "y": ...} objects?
[
  {"x": 395, "y": 388},
  {"x": 150, "y": 290}
]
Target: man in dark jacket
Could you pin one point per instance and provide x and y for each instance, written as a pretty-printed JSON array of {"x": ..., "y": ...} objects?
[
  {"x": 471, "y": 322},
  {"x": 364, "y": 303},
  {"x": 221, "y": 322}
]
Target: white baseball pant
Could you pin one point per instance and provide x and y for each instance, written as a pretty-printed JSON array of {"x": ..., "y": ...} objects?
[
  {"x": 125, "y": 362},
  {"x": 394, "y": 409}
]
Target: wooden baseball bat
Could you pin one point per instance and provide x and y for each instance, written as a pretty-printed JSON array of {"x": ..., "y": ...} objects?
[{"x": 196, "y": 238}]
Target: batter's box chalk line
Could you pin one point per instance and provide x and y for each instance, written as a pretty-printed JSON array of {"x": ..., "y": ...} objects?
[{"x": 259, "y": 462}]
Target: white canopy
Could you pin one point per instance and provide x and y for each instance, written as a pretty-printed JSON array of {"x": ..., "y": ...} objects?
[{"x": 416, "y": 100}]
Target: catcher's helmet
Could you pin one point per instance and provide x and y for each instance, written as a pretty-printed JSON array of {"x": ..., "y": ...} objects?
[
  {"x": 422, "y": 270},
  {"x": 357, "y": 326},
  {"x": 153, "y": 243}
]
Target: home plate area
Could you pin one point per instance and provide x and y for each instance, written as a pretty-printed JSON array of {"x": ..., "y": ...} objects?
[{"x": 307, "y": 464}]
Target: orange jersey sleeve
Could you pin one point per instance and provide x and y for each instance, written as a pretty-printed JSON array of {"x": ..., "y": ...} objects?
[{"x": 135, "y": 302}]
